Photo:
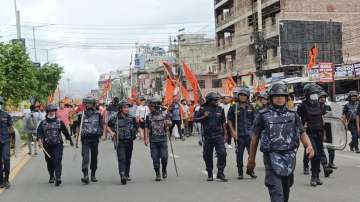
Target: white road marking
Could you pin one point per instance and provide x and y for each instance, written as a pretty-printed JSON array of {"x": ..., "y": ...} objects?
[{"x": 176, "y": 156}]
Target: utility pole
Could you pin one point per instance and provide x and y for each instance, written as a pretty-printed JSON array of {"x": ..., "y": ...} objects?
[
  {"x": 47, "y": 55},
  {"x": 68, "y": 86},
  {"x": 18, "y": 27},
  {"x": 259, "y": 38},
  {"x": 34, "y": 41},
  {"x": 332, "y": 59}
]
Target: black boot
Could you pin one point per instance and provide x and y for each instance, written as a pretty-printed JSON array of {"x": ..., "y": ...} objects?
[
  {"x": 240, "y": 174},
  {"x": 93, "y": 177},
  {"x": 318, "y": 181},
  {"x": 6, "y": 183},
  {"x": 210, "y": 176},
  {"x": 220, "y": 176},
  {"x": 58, "y": 182},
  {"x": 157, "y": 173},
  {"x": 123, "y": 179},
  {"x": 306, "y": 171},
  {"x": 85, "y": 178},
  {"x": 127, "y": 177},
  {"x": 164, "y": 173},
  {"x": 327, "y": 171},
  {"x": 351, "y": 146},
  {"x": 313, "y": 181},
  {"x": 332, "y": 166},
  {"x": 52, "y": 179}
]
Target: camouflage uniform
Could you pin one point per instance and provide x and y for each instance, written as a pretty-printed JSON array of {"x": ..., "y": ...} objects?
[{"x": 279, "y": 130}]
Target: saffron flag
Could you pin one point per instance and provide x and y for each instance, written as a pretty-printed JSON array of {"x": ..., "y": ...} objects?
[
  {"x": 169, "y": 92},
  {"x": 184, "y": 93},
  {"x": 312, "y": 57},
  {"x": 229, "y": 85},
  {"x": 193, "y": 82},
  {"x": 168, "y": 70}
]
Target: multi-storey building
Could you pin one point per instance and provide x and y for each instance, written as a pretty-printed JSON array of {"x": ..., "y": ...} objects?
[{"x": 237, "y": 25}]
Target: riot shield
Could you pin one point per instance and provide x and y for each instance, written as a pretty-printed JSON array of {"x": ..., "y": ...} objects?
[{"x": 335, "y": 133}]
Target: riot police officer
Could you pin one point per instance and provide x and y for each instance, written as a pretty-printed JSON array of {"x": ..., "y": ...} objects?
[
  {"x": 350, "y": 111},
  {"x": 123, "y": 129},
  {"x": 262, "y": 101},
  {"x": 279, "y": 130},
  {"x": 323, "y": 159},
  {"x": 91, "y": 130},
  {"x": 156, "y": 123},
  {"x": 5, "y": 129},
  {"x": 312, "y": 117},
  {"x": 50, "y": 139},
  {"x": 241, "y": 116},
  {"x": 212, "y": 117}
]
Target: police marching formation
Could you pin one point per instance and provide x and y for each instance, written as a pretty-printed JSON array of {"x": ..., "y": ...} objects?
[{"x": 269, "y": 121}]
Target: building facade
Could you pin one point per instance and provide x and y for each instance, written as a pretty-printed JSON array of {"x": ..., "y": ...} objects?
[{"x": 237, "y": 28}]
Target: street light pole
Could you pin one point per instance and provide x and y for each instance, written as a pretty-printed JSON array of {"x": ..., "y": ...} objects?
[
  {"x": 33, "y": 30},
  {"x": 17, "y": 15}
]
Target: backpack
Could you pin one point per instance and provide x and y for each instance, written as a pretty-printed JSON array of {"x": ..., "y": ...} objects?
[{"x": 31, "y": 122}]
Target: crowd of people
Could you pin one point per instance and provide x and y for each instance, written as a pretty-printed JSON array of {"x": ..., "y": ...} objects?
[{"x": 270, "y": 119}]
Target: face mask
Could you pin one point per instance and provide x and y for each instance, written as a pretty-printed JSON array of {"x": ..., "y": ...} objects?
[
  {"x": 314, "y": 97},
  {"x": 51, "y": 116}
]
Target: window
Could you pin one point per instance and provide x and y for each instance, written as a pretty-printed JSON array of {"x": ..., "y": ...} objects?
[
  {"x": 273, "y": 20},
  {"x": 216, "y": 83},
  {"x": 202, "y": 83},
  {"x": 275, "y": 53}
]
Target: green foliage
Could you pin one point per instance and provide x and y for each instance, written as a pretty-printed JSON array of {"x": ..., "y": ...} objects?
[
  {"x": 17, "y": 73},
  {"x": 48, "y": 77},
  {"x": 20, "y": 80}
]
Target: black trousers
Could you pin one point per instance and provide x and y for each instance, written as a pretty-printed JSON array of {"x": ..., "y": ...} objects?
[
  {"x": 89, "y": 150},
  {"x": 159, "y": 152},
  {"x": 208, "y": 153},
  {"x": 54, "y": 163},
  {"x": 243, "y": 142},
  {"x": 317, "y": 144},
  {"x": 124, "y": 154},
  {"x": 4, "y": 160}
]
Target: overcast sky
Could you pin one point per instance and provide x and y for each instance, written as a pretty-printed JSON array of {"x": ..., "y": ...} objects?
[{"x": 72, "y": 29}]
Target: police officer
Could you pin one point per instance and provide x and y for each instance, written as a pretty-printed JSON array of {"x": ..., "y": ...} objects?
[
  {"x": 6, "y": 127},
  {"x": 156, "y": 123},
  {"x": 212, "y": 117},
  {"x": 262, "y": 101},
  {"x": 241, "y": 116},
  {"x": 91, "y": 131},
  {"x": 349, "y": 116},
  {"x": 312, "y": 117},
  {"x": 123, "y": 129},
  {"x": 279, "y": 130},
  {"x": 50, "y": 139}
]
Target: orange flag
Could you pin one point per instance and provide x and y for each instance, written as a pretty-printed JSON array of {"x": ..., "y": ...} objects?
[
  {"x": 168, "y": 70},
  {"x": 169, "y": 92},
  {"x": 185, "y": 94},
  {"x": 193, "y": 81},
  {"x": 229, "y": 85},
  {"x": 312, "y": 57}
]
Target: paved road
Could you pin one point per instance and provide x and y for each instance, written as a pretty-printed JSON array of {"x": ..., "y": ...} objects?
[{"x": 31, "y": 183}]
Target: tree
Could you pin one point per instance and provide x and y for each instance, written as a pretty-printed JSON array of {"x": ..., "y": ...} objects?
[
  {"x": 17, "y": 74},
  {"x": 48, "y": 77}
]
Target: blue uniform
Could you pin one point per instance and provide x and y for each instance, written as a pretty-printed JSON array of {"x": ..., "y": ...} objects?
[
  {"x": 125, "y": 128},
  {"x": 350, "y": 111},
  {"x": 155, "y": 123},
  {"x": 49, "y": 131},
  {"x": 91, "y": 131},
  {"x": 214, "y": 137},
  {"x": 245, "y": 118},
  {"x": 5, "y": 124},
  {"x": 279, "y": 131}
]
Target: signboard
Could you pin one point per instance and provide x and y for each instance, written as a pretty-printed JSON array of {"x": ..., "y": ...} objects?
[
  {"x": 326, "y": 72},
  {"x": 277, "y": 76},
  {"x": 344, "y": 71},
  {"x": 357, "y": 70},
  {"x": 314, "y": 74}
]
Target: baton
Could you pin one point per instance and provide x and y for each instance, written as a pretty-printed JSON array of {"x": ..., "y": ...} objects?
[{"x": 172, "y": 152}]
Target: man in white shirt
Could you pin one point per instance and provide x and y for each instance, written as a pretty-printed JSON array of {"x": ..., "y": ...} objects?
[{"x": 226, "y": 106}]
